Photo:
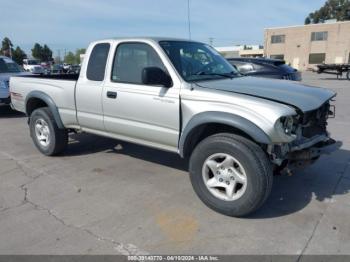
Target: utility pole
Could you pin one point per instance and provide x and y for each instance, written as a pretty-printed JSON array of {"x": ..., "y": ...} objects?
[
  {"x": 211, "y": 41},
  {"x": 59, "y": 55},
  {"x": 189, "y": 18},
  {"x": 10, "y": 51}
]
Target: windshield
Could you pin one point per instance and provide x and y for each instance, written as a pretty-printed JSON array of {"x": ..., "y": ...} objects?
[
  {"x": 8, "y": 66},
  {"x": 33, "y": 62},
  {"x": 197, "y": 61}
]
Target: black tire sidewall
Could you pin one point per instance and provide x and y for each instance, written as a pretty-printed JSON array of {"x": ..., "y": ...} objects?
[
  {"x": 256, "y": 183},
  {"x": 43, "y": 113}
]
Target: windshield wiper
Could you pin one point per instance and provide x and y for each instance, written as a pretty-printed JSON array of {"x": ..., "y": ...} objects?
[{"x": 227, "y": 75}]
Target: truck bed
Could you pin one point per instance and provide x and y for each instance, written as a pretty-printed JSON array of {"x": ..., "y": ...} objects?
[{"x": 60, "y": 88}]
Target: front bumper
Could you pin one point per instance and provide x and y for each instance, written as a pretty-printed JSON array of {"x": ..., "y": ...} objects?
[
  {"x": 5, "y": 101},
  {"x": 315, "y": 151},
  {"x": 303, "y": 152},
  {"x": 301, "y": 158}
]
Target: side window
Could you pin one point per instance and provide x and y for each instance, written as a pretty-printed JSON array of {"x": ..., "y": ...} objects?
[
  {"x": 130, "y": 60},
  {"x": 97, "y": 62},
  {"x": 243, "y": 67},
  {"x": 259, "y": 67}
]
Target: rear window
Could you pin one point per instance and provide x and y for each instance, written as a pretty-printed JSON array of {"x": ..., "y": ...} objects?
[{"x": 97, "y": 62}]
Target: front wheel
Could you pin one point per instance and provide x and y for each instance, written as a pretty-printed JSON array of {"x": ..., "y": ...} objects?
[
  {"x": 231, "y": 174},
  {"x": 47, "y": 137}
]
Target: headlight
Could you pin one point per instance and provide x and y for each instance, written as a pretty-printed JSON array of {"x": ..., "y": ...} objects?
[
  {"x": 286, "y": 128},
  {"x": 288, "y": 124},
  {"x": 3, "y": 85}
]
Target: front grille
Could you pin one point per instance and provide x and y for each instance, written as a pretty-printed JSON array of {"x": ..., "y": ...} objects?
[
  {"x": 288, "y": 77},
  {"x": 315, "y": 122},
  {"x": 293, "y": 76}
]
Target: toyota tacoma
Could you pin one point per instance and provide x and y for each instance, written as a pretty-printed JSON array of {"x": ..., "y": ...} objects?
[{"x": 182, "y": 96}]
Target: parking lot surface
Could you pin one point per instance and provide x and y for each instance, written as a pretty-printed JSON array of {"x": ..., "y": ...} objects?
[{"x": 105, "y": 196}]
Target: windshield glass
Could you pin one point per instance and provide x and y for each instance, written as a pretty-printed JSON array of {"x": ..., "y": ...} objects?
[
  {"x": 197, "y": 61},
  {"x": 8, "y": 66},
  {"x": 33, "y": 62}
]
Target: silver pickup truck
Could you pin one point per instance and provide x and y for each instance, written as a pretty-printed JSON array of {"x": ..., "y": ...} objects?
[
  {"x": 182, "y": 96},
  {"x": 8, "y": 68}
]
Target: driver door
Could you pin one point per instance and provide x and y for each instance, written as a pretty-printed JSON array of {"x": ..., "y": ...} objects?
[{"x": 136, "y": 112}]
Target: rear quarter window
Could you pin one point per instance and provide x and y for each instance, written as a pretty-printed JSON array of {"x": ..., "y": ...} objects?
[{"x": 97, "y": 62}]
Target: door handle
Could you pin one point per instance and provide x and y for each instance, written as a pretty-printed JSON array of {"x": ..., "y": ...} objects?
[{"x": 112, "y": 95}]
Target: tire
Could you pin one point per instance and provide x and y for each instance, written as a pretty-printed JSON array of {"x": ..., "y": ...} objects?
[
  {"x": 348, "y": 75},
  {"x": 49, "y": 139},
  {"x": 248, "y": 159}
]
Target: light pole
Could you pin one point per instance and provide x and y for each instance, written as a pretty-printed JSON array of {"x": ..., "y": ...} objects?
[{"x": 189, "y": 18}]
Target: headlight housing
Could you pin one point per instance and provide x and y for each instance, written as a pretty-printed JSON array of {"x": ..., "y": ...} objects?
[
  {"x": 3, "y": 84},
  {"x": 287, "y": 124},
  {"x": 286, "y": 128}
]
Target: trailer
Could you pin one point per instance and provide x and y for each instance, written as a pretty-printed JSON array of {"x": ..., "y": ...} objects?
[{"x": 335, "y": 69}]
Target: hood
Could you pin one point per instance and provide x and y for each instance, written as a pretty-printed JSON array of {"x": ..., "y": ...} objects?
[{"x": 305, "y": 98}]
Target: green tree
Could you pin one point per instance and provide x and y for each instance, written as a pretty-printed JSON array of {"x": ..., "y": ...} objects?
[
  {"x": 18, "y": 55},
  {"x": 332, "y": 9},
  {"x": 43, "y": 53},
  {"x": 69, "y": 58},
  {"x": 37, "y": 51},
  {"x": 6, "y": 47},
  {"x": 46, "y": 54},
  {"x": 79, "y": 52}
]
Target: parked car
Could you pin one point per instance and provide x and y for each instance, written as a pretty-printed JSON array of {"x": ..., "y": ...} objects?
[
  {"x": 33, "y": 66},
  {"x": 7, "y": 68},
  {"x": 66, "y": 67},
  {"x": 56, "y": 69},
  {"x": 265, "y": 67},
  {"x": 46, "y": 67},
  {"x": 73, "y": 69},
  {"x": 182, "y": 96}
]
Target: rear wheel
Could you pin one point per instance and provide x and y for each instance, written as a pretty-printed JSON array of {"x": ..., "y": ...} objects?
[
  {"x": 230, "y": 174},
  {"x": 47, "y": 137}
]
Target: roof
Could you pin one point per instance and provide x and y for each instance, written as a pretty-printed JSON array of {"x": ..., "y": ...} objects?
[
  {"x": 319, "y": 24},
  {"x": 148, "y": 38},
  {"x": 258, "y": 60}
]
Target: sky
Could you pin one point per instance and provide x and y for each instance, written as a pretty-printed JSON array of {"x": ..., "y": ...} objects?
[{"x": 71, "y": 24}]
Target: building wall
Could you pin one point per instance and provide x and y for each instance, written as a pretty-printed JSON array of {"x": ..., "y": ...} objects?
[
  {"x": 251, "y": 53},
  {"x": 298, "y": 45}
]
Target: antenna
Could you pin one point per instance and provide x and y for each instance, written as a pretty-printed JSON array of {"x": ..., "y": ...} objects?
[{"x": 189, "y": 18}]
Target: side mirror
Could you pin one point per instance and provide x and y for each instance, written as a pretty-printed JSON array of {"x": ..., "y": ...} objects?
[{"x": 156, "y": 76}]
